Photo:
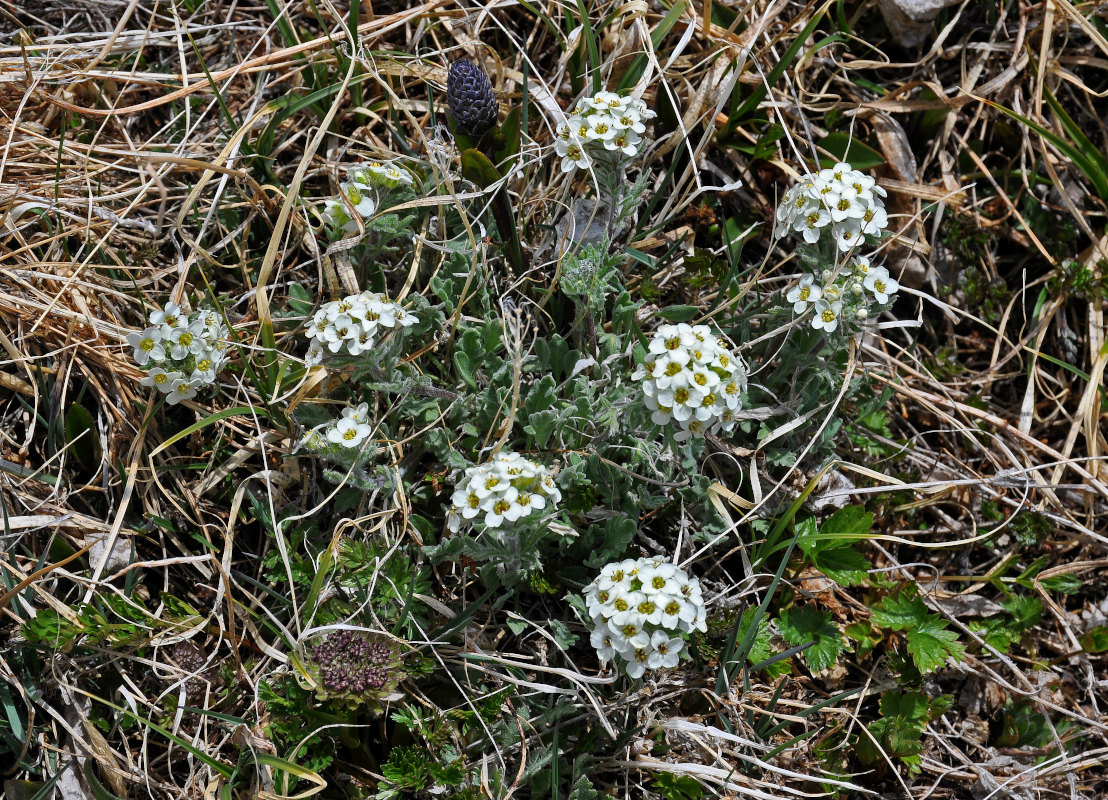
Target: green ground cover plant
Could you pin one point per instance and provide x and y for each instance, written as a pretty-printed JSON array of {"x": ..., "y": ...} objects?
[{"x": 666, "y": 400}]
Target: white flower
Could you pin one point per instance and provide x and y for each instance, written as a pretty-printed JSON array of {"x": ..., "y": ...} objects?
[
  {"x": 827, "y": 315},
  {"x": 358, "y": 413},
  {"x": 574, "y": 157},
  {"x": 160, "y": 378},
  {"x": 353, "y": 325},
  {"x": 349, "y": 432},
  {"x": 359, "y": 196},
  {"x": 181, "y": 389},
  {"x": 803, "y": 294},
  {"x": 148, "y": 345},
  {"x": 665, "y": 652},
  {"x": 602, "y": 123},
  {"x": 626, "y": 141},
  {"x": 841, "y": 200},
  {"x": 879, "y": 282},
  {"x": 636, "y": 664},
  {"x": 186, "y": 340},
  {"x": 641, "y": 610},
  {"x": 503, "y": 491},
  {"x": 691, "y": 379},
  {"x": 387, "y": 175},
  {"x": 335, "y": 213},
  {"x": 205, "y": 371},
  {"x": 169, "y": 316},
  {"x": 602, "y": 640}
]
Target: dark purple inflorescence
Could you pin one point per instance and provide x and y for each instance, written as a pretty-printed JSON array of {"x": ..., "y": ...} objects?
[
  {"x": 356, "y": 666},
  {"x": 469, "y": 96}
]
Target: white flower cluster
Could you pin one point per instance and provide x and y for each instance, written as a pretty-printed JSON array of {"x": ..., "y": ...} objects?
[
  {"x": 847, "y": 293},
  {"x": 501, "y": 492},
  {"x": 352, "y": 325},
  {"x": 605, "y": 123},
  {"x": 691, "y": 377},
  {"x": 181, "y": 353},
  {"x": 362, "y": 192},
  {"x": 349, "y": 430},
  {"x": 641, "y": 610},
  {"x": 841, "y": 200}
]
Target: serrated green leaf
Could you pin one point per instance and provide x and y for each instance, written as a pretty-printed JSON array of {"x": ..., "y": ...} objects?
[
  {"x": 900, "y": 611},
  {"x": 931, "y": 644},
  {"x": 583, "y": 790},
  {"x": 1066, "y": 584},
  {"x": 849, "y": 521},
  {"x": 1095, "y": 640},
  {"x": 865, "y": 635},
  {"x": 844, "y": 565},
  {"x": 910, "y": 705},
  {"x": 803, "y": 624}
]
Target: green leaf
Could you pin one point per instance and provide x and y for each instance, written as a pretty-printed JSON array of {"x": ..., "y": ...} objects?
[
  {"x": 507, "y": 142},
  {"x": 81, "y": 438},
  {"x": 1095, "y": 640},
  {"x": 761, "y": 647},
  {"x": 843, "y": 148},
  {"x": 1067, "y": 583},
  {"x": 1090, "y": 166},
  {"x": 678, "y": 787},
  {"x": 464, "y": 367},
  {"x": 851, "y": 522},
  {"x": 678, "y": 313},
  {"x": 930, "y": 644},
  {"x": 476, "y": 167},
  {"x": 800, "y": 625},
  {"x": 910, "y": 705},
  {"x": 900, "y": 611},
  {"x": 865, "y": 635},
  {"x": 583, "y": 790},
  {"x": 844, "y": 565}
]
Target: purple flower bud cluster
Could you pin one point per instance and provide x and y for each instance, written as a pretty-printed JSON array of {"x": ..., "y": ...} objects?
[
  {"x": 353, "y": 662},
  {"x": 191, "y": 659},
  {"x": 470, "y": 98}
]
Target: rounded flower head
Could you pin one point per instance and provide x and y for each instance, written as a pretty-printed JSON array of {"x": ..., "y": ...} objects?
[
  {"x": 502, "y": 492},
  {"x": 641, "y": 610},
  {"x": 602, "y": 124},
  {"x": 354, "y": 325},
  {"x": 840, "y": 203},
  {"x": 355, "y": 668},
  {"x": 181, "y": 353},
  {"x": 691, "y": 381}
]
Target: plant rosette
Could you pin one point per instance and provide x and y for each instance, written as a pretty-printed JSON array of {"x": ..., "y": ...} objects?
[
  {"x": 352, "y": 668},
  {"x": 642, "y": 611},
  {"x": 502, "y": 493},
  {"x": 691, "y": 381}
]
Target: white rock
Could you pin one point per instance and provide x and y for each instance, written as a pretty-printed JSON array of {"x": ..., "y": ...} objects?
[{"x": 910, "y": 20}]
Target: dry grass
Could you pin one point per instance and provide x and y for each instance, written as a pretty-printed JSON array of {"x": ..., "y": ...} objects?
[{"x": 131, "y": 174}]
